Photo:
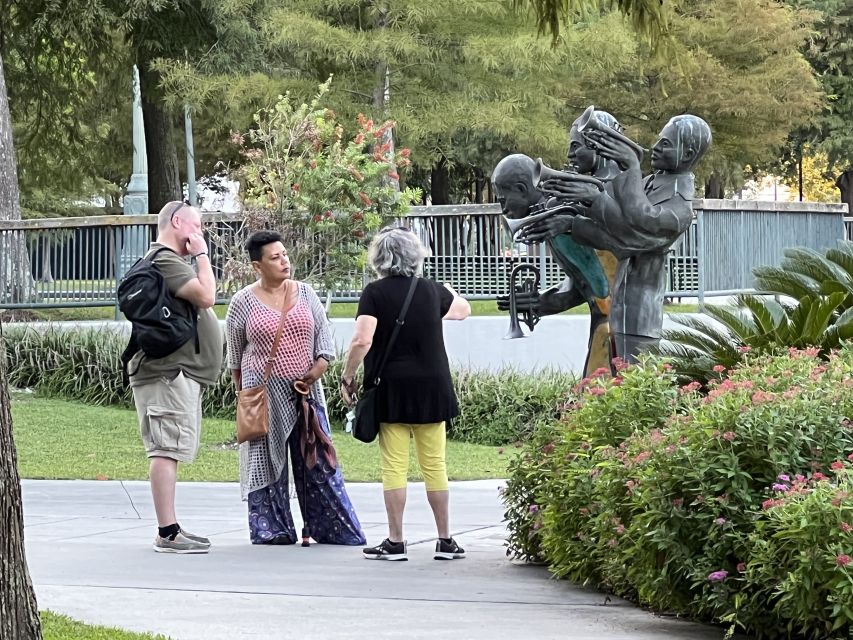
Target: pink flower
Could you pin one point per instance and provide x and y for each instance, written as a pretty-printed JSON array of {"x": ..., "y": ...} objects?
[
  {"x": 760, "y": 397},
  {"x": 850, "y": 457},
  {"x": 720, "y": 522},
  {"x": 846, "y": 528},
  {"x": 812, "y": 352},
  {"x": 744, "y": 348},
  {"x": 692, "y": 386},
  {"x": 741, "y": 567},
  {"x": 612, "y": 543},
  {"x": 837, "y": 465},
  {"x": 780, "y": 487},
  {"x": 729, "y": 436},
  {"x": 534, "y": 508},
  {"x": 601, "y": 371},
  {"x": 842, "y": 560},
  {"x": 619, "y": 364},
  {"x": 667, "y": 366},
  {"x": 597, "y": 391},
  {"x": 617, "y": 381},
  {"x": 718, "y": 368},
  {"x": 784, "y": 477},
  {"x": 719, "y": 576},
  {"x": 770, "y": 503},
  {"x": 818, "y": 476},
  {"x": 642, "y": 457},
  {"x": 620, "y": 529}
]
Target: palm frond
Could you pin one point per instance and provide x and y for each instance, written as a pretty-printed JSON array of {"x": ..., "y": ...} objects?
[
  {"x": 815, "y": 265},
  {"x": 786, "y": 283},
  {"x": 842, "y": 255},
  {"x": 740, "y": 325},
  {"x": 648, "y": 17},
  {"x": 819, "y": 316},
  {"x": 709, "y": 328},
  {"x": 767, "y": 312},
  {"x": 839, "y": 331}
]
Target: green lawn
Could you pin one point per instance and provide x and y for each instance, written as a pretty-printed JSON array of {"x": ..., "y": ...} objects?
[
  {"x": 339, "y": 310},
  {"x": 66, "y": 440},
  {"x": 56, "y": 627}
]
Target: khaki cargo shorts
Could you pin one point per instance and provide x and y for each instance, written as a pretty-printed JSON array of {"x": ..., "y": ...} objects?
[{"x": 170, "y": 417}]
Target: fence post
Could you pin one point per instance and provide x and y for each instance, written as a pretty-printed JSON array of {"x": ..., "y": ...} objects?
[
  {"x": 117, "y": 243},
  {"x": 700, "y": 257}
]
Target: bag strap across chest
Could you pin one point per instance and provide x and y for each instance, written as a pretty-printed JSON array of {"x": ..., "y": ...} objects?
[
  {"x": 277, "y": 340},
  {"x": 401, "y": 320}
]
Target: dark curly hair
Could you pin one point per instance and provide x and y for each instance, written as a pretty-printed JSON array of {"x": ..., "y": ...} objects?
[{"x": 258, "y": 240}]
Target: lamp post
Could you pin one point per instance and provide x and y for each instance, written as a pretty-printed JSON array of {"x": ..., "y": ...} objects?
[{"x": 135, "y": 238}]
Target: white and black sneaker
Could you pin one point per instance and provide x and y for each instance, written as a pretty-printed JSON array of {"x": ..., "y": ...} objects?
[
  {"x": 387, "y": 550},
  {"x": 448, "y": 549}
]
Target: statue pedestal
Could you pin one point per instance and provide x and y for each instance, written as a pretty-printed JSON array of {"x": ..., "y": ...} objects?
[{"x": 135, "y": 239}]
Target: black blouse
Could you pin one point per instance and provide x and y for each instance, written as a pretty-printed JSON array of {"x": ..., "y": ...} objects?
[{"x": 415, "y": 387}]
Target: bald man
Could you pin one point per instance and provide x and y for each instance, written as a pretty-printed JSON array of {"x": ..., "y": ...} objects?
[{"x": 167, "y": 391}]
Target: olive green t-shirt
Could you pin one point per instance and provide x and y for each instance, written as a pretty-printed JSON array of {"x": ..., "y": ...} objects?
[{"x": 203, "y": 367}]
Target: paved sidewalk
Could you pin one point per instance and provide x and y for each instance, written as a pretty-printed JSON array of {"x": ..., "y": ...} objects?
[{"x": 89, "y": 551}]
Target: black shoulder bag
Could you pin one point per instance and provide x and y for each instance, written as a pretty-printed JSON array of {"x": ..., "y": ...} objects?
[{"x": 365, "y": 427}]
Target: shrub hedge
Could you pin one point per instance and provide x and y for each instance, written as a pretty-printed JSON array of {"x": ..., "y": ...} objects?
[
  {"x": 496, "y": 408},
  {"x": 734, "y": 506}
]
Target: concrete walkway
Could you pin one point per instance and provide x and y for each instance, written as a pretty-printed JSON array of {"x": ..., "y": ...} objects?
[{"x": 89, "y": 551}]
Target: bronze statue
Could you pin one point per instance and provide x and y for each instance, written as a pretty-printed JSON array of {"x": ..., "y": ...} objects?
[
  {"x": 514, "y": 180},
  {"x": 638, "y": 219}
]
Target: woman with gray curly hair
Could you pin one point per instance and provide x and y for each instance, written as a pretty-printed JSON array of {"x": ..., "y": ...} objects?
[{"x": 415, "y": 396}]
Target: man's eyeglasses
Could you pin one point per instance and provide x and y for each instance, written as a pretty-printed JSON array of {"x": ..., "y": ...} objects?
[{"x": 178, "y": 207}]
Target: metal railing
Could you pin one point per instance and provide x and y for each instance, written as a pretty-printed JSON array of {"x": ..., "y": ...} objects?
[{"x": 77, "y": 262}]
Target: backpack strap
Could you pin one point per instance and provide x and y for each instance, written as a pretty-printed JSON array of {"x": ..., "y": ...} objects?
[{"x": 151, "y": 255}]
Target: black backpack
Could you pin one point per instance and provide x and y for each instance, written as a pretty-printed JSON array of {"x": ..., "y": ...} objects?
[{"x": 161, "y": 323}]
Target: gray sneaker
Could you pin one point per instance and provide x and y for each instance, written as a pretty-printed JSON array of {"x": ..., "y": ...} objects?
[
  {"x": 181, "y": 544},
  {"x": 195, "y": 538}
]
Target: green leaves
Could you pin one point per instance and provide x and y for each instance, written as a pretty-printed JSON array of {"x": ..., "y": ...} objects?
[
  {"x": 821, "y": 287},
  {"x": 735, "y": 505},
  {"x": 325, "y": 192}
]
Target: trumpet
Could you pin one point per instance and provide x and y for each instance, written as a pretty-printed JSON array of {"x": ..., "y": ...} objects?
[
  {"x": 537, "y": 213},
  {"x": 542, "y": 172},
  {"x": 591, "y": 128},
  {"x": 515, "y": 225},
  {"x": 529, "y": 317}
]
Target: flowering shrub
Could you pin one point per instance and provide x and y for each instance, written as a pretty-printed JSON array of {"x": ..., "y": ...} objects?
[
  {"x": 660, "y": 493},
  {"x": 799, "y": 556},
  {"x": 323, "y": 191}
]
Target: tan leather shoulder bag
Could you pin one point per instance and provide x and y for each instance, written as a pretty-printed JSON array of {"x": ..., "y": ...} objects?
[{"x": 253, "y": 413}]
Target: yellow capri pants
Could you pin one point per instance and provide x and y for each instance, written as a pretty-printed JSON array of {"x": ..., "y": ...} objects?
[{"x": 430, "y": 445}]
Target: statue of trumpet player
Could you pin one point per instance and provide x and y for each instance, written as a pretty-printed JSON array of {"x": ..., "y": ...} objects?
[
  {"x": 638, "y": 219},
  {"x": 514, "y": 180}
]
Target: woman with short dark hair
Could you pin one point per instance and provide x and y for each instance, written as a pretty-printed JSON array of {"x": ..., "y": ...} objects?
[
  {"x": 305, "y": 350},
  {"x": 415, "y": 392}
]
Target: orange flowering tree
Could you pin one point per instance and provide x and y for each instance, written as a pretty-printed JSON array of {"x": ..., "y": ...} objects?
[{"x": 324, "y": 191}]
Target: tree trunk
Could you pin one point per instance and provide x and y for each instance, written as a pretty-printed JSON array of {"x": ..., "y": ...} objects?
[
  {"x": 714, "y": 187},
  {"x": 440, "y": 183},
  {"x": 164, "y": 183},
  {"x": 19, "y": 617},
  {"x": 16, "y": 279},
  {"x": 845, "y": 185}
]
